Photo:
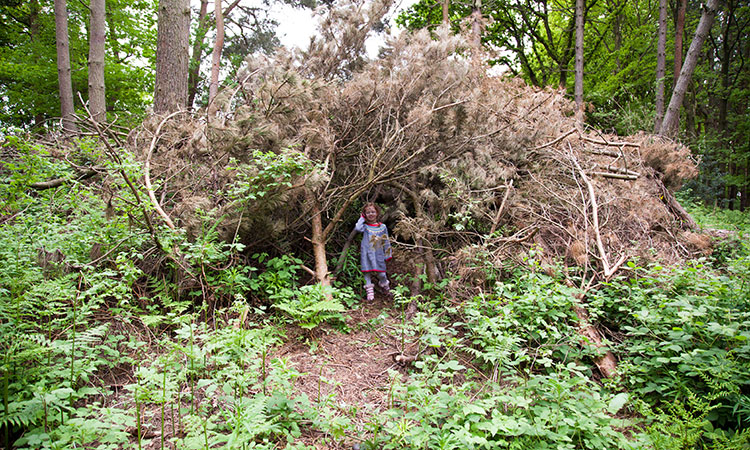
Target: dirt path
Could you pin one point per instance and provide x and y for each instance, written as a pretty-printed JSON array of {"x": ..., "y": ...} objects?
[{"x": 350, "y": 371}]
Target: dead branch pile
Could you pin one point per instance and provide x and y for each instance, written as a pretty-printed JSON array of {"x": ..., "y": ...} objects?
[{"x": 464, "y": 163}]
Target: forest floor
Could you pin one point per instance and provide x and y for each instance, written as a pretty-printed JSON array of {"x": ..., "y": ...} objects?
[
  {"x": 353, "y": 370},
  {"x": 348, "y": 368}
]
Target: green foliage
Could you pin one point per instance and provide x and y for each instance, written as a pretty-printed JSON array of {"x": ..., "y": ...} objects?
[
  {"x": 560, "y": 410},
  {"x": 268, "y": 174},
  {"x": 310, "y": 306},
  {"x": 687, "y": 338},
  {"x": 504, "y": 368},
  {"x": 279, "y": 277},
  {"x": 28, "y": 60}
]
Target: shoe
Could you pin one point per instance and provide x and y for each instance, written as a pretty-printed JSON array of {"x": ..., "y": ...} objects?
[
  {"x": 370, "y": 289},
  {"x": 386, "y": 288}
]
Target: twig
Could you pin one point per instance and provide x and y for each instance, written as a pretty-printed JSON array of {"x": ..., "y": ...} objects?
[
  {"x": 307, "y": 269},
  {"x": 599, "y": 151},
  {"x": 342, "y": 256},
  {"x": 508, "y": 187},
  {"x": 147, "y": 169},
  {"x": 617, "y": 176},
  {"x": 623, "y": 171},
  {"x": 611, "y": 144},
  {"x": 42, "y": 185},
  {"x": 115, "y": 157},
  {"x": 573, "y": 130},
  {"x": 608, "y": 271}
]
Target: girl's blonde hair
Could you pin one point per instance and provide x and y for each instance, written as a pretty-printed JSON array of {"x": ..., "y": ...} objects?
[{"x": 377, "y": 209}]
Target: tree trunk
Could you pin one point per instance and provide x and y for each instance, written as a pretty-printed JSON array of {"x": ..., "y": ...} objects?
[
  {"x": 579, "y": 60},
  {"x": 446, "y": 11},
  {"x": 671, "y": 118},
  {"x": 33, "y": 23},
  {"x": 195, "y": 60},
  {"x": 318, "y": 241},
  {"x": 172, "y": 42},
  {"x": 607, "y": 364},
  {"x": 476, "y": 25},
  {"x": 63, "y": 66},
  {"x": 213, "y": 87},
  {"x": 97, "y": 102},
  {"x": 679, "y": 32},
  {"x": 745, "y": 191},
  {"x": 617, "y": 32},
  {"x": 567, "y": 53},
  {"x": 661, "y": 64},
  {"x": 732, "y": 186},
  {"x": 726, "y": 61}
]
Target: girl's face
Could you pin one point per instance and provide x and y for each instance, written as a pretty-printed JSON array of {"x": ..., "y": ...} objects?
[{"x": 371, "y": 214}]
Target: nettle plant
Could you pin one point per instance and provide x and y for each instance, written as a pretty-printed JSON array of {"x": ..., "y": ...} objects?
[{"x": 686, "y": 346}]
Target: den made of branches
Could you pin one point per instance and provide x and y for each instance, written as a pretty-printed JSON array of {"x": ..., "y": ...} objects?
[{"x": 465, "y": 164}]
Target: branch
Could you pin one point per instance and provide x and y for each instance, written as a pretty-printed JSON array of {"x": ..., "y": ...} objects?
[
  {"x": 556, "y": 140},
  {"x": 342, "y": 256},
  {"x": 42, "y": 185},
  {"x": 611, "y": 144},
  {"x": 147, "y": 169},
  {"x": 608, "y": 271},
  {"x": 508, "y": 187},
  {"x": 617, "y": 176}
]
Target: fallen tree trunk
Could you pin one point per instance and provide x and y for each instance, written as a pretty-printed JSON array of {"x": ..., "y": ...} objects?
[
  {"x": 42, "y": 185},
  {"x": 607, "y": 364},
  {"x": 674, "y": 206}
]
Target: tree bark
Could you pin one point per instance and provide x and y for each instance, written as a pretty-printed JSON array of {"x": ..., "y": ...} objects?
[
  {"x": 607, "y": 364},
  {"x": 745, "y": 190},
  {"x": 172, "y": 41},
  {"x": 63, "y": 66},
  {"x": 671, "y": 118},
  {"x": 318, "y": 241},
  {"x": 617, "y": 32},
  {"x": 679, "y": 32},
  {"x": 579, "y": 60},
  {"x": 97, "y": 39},
  {"x": 476, "y": 25},
  {"x": 446, "y": 11},
  {"x": 195, "y": 59},
  {"x": 661, "y": 64},
  {"x": 213, "y": 88}
]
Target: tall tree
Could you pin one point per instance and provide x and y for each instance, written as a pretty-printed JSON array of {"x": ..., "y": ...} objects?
[
  {"x": 661, "y": 63},
  {"x": 63, "y": 65},
  {"x": 671, "y": 119},
  {"x": 476, "y": 25},
  {"x": 213, "y": 87},
  {"x": 97, "y": 99},
  {"x": 172, "y": 55},
  {"x": 579, "y": 59},
  {"x": 197, "y": 56},
  {"x": 679, "y": 32}
]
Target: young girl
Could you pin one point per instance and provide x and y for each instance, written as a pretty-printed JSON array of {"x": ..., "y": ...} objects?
[{"x": 375, "y": 249}]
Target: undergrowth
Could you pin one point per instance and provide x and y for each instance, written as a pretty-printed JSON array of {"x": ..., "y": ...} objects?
[{"x": 107, "y": 350}]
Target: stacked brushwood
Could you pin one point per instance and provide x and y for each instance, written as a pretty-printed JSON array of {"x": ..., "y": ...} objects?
[{"x": 464, "y": 163}]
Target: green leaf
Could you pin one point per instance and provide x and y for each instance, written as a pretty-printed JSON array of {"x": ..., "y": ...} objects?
[{"x": 617, "y": 402}]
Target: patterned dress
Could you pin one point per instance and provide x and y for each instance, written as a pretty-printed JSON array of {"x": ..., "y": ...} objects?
[{"x": 375, "y": 249}]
